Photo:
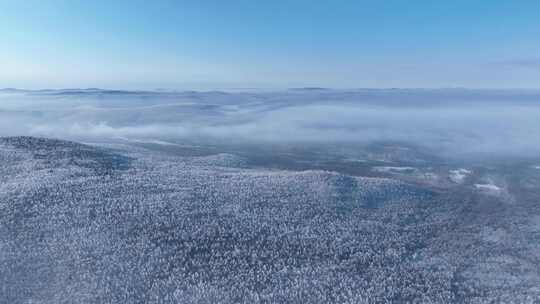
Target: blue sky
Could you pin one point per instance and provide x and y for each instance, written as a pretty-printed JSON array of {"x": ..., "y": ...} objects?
[{"x": 219, "y": 44}]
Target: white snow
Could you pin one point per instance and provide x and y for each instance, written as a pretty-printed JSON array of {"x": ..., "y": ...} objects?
[
  {"x": 148, "y": 141},
  {"x": 389, "y": 169},
  {"x": 488, "y": 187},
  {"x": 458, "y": 176}
]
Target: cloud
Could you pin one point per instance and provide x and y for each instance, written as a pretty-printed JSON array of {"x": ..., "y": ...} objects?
[{"x": 454, "y": 122}]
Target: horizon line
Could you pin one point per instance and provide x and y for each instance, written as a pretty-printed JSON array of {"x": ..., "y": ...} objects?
[{"x": 307, "y": 89}]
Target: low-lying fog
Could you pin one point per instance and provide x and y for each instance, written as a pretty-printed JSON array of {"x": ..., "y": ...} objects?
[{"x": 450, "y": 121}]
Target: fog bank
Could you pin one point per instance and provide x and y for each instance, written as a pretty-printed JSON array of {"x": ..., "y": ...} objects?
[{"x": 451, "y": 121}]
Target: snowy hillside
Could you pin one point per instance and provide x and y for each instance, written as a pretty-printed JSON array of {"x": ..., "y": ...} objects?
[{"x": 128, "y": 225}]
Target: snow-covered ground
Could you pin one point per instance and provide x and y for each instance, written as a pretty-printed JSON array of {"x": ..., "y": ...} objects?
[
  {"x": 128, "y": 225},
  {"x": 390, "y": 169},
  {"x": 458, "y": 176},
  {"x": 490, "y": 188}
]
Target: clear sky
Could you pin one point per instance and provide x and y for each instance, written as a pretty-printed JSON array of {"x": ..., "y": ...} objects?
[{"x": 278, "y": 43}]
